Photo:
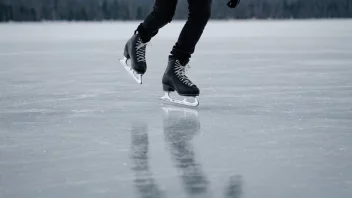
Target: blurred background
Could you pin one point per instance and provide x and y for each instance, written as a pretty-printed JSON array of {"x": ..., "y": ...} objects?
[{"x": 97, "y": 10}]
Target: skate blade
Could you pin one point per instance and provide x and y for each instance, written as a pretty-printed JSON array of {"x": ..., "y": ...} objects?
[
  {"x": 137, "y": 77},
  {"x": 185, "y": 110},
  {"x": 184, "y": 102}
]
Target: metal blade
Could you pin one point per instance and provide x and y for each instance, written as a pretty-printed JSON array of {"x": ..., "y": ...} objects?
[
  {"x": 137, "y": 77},
  {"x": 167, "y": 98}
]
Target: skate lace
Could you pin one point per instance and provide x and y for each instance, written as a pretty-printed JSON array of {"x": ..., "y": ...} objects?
[
  {"x": 140, "y": 50},
  {"x": 180, "y": 71}
]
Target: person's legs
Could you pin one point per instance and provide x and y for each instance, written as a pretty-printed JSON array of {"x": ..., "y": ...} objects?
[
  {"x": 135, "y": 48},
  {"x": 163, "y": 12},
  {"x": 199, "y": 14},
  {"x": 175, "y": 74}
]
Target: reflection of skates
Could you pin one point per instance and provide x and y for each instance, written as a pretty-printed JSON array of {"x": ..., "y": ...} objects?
[
  {"x": 175, "y": 79},
  {"x": 234, "y": 188},
  {"x": 180, "y": 125},
  {"x": 135, "y": 52},
  {"x": 144, "y": 180}
]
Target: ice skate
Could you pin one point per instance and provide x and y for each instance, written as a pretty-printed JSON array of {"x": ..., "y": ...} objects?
[
  {"x": 135, "y": 54},
  {"x": 175, "y": 79}
]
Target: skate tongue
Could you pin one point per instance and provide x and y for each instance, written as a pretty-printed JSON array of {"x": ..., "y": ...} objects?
[
  {"x": 184, "y": 62},
  {"x": 187, "y": 67},
  {"x": 142, "y": 45}
]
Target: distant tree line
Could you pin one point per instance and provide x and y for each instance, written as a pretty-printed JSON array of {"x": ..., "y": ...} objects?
[{"x": 97, "y": 10}]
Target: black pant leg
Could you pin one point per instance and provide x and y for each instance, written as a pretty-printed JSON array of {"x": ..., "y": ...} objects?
[
  {"x": 163, "y": 12},
  {"x": 199, "y": 14}
]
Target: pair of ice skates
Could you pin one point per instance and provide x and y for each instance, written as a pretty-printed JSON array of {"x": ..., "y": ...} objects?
[{"x": 174, "y": 78}]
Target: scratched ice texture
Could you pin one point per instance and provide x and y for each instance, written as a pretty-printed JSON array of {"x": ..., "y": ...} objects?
[{"x": 274, "y": 121}]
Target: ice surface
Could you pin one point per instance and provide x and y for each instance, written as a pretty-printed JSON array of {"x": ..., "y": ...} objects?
[{"x": 274, "y": 118}]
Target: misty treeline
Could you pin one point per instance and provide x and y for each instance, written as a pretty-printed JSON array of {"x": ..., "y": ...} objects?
[{"x": 96, "y": 10}]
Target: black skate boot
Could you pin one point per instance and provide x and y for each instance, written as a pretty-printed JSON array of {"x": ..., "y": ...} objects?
[
  {"x": 135, "y": 52},
  {"x": 175, "y": 79}
]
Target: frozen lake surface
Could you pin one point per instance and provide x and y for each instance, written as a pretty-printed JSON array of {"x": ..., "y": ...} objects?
[{"x": 274, "y": 119}]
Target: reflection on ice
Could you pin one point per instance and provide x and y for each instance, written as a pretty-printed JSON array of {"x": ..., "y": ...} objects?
[
  {"x": 234, "y": 188},
  {"x": 144, "y": 181},
  {"x": 180, "y": 126}
]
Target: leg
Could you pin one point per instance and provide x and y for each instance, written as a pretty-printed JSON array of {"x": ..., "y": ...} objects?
[
  {"x": 135, "y": 48},
  {"x": 163, "y": 12},
  {"x": 175, "y": 78},
  {"x": 199, "y": 14}
]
